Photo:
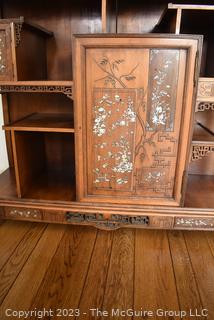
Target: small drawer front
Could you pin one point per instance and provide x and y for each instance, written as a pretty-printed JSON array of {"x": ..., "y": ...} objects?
[
  {"x": 194, "y": 223},
  {"x": 23, "y": 213}
]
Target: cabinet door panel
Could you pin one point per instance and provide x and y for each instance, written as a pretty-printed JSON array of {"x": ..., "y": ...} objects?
[
  {"x": 133, "y": 102},
  {"x": 6, "y": 72}
]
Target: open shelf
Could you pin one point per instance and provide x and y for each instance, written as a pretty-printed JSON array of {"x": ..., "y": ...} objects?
[
  {"x": 181, "y": 18},
  {"x": 199, "y": 193},
  {"x": 202, "y": 135},
  {"x": 44, "y": 164},
  {"x": 42, "y": 122},
  {"x": 64, "y": 87},
  {"x": 50, "y": 186}
]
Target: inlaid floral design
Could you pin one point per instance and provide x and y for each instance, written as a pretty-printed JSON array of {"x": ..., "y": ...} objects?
[
  {"x": 3, "y": 58},
  {"x": 114, "y": 116},
  {"x": 163, "y": 80}
]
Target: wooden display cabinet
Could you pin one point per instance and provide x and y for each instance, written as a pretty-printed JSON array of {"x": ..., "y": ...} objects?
[
  {"x": 22, "y": 50},
  {"x": 51, "y": 100}
]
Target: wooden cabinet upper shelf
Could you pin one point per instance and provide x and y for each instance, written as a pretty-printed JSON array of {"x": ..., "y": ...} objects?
[{"x": 50, "y": 122}]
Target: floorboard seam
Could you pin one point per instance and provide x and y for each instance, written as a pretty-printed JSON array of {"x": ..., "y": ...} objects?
[
  {"x": 173, "y": 269},
  {"x": 193, "y": 270},
  {"x": 107, "y": 272},
  {"x": 86, "y": 274},
  {"x": 23, "y": 265},
  {"x": 48, "y": 266},
  {"x": 16, "y": 246}
]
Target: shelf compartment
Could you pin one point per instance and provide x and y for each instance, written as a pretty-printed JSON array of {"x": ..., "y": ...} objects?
[
  {"x": 176, "y": 18},
  {"x": 24, "y": 48},
  {"x": 44, "y": 165},
  {"x": 202, "y": 135},
  {"x": 42, "y": 122},
  {"x": 64, "y": 87}
]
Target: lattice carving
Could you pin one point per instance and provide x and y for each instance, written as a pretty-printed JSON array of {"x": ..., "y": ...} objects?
[
  {"x": 66, "y": 90},
  {"x": 206, "y": 89},
  {"x": 194, "y": 222},
  {"x": 116, "y": 221},
  {"x": 203, "y": 106},
  {"x": 199, "y": 151},
  {"x": 18, "y": 29}
]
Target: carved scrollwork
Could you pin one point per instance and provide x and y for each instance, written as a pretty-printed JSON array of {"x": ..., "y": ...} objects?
[
  {"x": 203, "y": 106},
  {"x": 206, "y": 88},
  {"x": 194, "y": 222},
  {"x": 199, "y": 151},
  {"x": 18, "y": 29},
  {"x": 66, "y": 90},
  {"x": 99, "y": 221}
]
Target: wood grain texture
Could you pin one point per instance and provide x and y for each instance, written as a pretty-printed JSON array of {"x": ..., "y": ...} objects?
[
  {"x": 16, "y": 262},
  {"x": 78, "y": 267},
  {"x": 62, "y": 284},
  {"x": 119, "y": 286},
  {"x": 187, "y": 287},
  {"x": 94, "y": 290},
  {"x": 30, "y": 278},
  {"x": 154, "y": 283},
  {"x": 10, "y": 236},
  {"x": 203, "y": 267}
]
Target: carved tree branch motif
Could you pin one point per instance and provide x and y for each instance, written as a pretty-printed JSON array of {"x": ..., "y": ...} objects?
[
  {"x": 109, "y": 68},
  {"x": 141, "y": 146}
]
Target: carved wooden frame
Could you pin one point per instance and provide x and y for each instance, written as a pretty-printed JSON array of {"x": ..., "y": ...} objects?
[{"x": 80, "y": 44}]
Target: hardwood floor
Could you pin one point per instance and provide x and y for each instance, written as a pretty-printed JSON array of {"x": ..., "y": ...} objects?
[{"x": 48, "y": 267}]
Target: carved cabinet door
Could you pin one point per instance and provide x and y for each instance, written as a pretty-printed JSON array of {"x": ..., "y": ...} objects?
[
  {"x": 133, "y": 110},
  {"x": 6, "y": 65}
]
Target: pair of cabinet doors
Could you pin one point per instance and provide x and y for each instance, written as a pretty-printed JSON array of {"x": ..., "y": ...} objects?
[{"x": 134, "y": 105}]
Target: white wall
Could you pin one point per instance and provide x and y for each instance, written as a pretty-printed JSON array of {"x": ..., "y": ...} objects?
[{"x": 3, "y": 151}]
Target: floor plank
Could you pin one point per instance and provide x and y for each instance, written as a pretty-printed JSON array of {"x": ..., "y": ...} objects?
[
  {"x": 17, "y": 260},
  {"x": 119, "y": 285},
  {"x": 65, "y": 277},
  {"x": 210, "y": 239},
  {"x": 11, "y": 233},
  {"x": 203, "y": 266},
  {"x": 154, "y": 279},
  {"x": 187, "y": 289},
  {"x": 93, "y": 291},
  {"x": 70, "y": 267},
  {"x": 32, "y": 274}
]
